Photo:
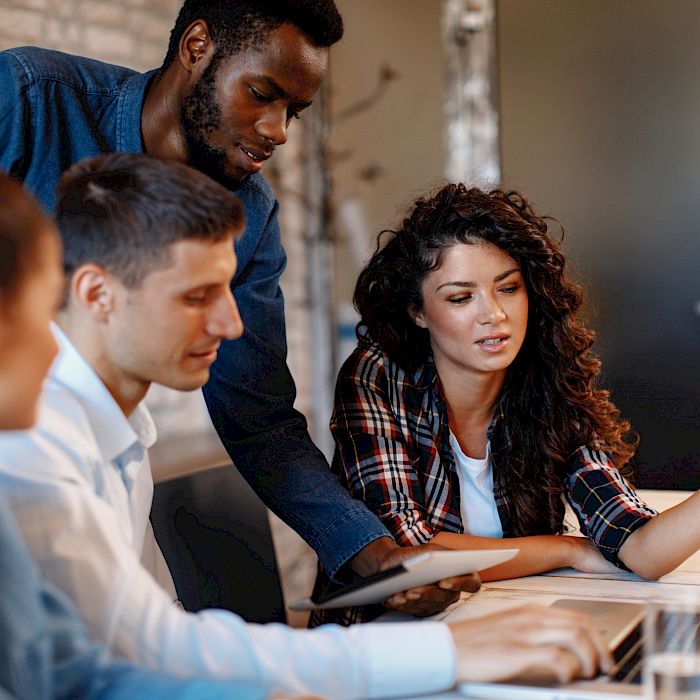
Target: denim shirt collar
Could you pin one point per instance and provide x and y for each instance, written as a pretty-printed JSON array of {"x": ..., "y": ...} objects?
[{"x": 131, "y": 99}]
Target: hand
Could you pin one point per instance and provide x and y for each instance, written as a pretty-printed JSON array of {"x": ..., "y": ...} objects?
[
  {"x": 588, "y": 559},
  {"x": 426, "y": 600},
  {"x": 501, "y": 646}
]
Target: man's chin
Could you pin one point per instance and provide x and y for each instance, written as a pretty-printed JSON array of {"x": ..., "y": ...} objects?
[
  {"x": 231, "y": 181},
  {"x": 190, "y": 383}
]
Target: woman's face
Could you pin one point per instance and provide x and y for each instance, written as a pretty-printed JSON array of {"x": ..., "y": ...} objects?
[
  {"x": 475, "y": 308},
  {"x": 27, "y": 345}
]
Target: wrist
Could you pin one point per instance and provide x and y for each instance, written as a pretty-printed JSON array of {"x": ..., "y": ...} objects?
[
  {"x": 572, "y": 553},
  {"x": 368, "y": 560}
]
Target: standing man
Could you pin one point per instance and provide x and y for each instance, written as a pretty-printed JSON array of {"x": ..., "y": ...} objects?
[{"x": 235, "y": 75}]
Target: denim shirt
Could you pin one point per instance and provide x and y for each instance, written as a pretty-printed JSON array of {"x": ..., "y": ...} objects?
[
  {"x": 56, "y": 109},
  {"x": 45, "y": 652}
]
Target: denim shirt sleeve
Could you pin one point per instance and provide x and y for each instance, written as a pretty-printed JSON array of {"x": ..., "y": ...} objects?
[{"x": 250, "y": 396}]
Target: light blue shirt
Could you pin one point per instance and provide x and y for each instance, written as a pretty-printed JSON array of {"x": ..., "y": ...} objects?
[
  {"x": 77, "y": 485},
  {"x": 45, "y": 652}
]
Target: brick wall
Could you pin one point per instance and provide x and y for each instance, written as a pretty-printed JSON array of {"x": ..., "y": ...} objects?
[{"x": 129, "y": 32}]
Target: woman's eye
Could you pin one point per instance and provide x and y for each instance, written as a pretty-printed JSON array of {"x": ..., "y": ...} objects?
[
  {"x": 511, "y": 289},
  {"x": 196, "y": 298},
  {"x": 460, "y": 300}
]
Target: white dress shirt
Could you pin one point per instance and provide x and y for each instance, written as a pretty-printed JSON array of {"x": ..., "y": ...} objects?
[{"x": 80, "y": 487}]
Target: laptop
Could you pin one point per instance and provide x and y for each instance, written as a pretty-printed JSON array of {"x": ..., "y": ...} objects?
[{"x": 621, "y": 625}]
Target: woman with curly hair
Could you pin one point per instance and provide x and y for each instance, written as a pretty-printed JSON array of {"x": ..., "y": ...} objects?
[{"x": 470, "y": 405}]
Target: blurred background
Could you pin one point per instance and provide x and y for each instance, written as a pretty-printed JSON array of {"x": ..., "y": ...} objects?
[{"x": 590, "y": 107}]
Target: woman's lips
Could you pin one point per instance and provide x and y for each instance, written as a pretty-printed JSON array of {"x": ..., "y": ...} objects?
[{"x": 493, "y": 345}]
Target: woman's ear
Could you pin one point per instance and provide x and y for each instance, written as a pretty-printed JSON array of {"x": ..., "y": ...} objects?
[{"x": 417, "y": 317}]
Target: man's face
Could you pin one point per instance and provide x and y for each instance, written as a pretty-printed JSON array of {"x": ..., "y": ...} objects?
[
  {"x": 169, "y": 329},
  {"x": 239, "y": 110}
]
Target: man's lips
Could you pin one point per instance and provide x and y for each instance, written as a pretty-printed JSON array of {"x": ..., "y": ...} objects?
[
  {"x": 209, "y": 354},
  {"x": 256, "y": 155}
]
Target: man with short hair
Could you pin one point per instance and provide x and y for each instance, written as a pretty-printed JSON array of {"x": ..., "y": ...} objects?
[
  {"x": 149, "y": 255},
  {"x": 235, "y": 74},
  {"x": 45, "y": 650}
]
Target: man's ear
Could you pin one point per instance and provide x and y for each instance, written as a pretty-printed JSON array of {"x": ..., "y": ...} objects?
[
  {"x": 92, "y": 288},
  {"x": 417, "y": 317},
  {"x": 196, "y": 48}
]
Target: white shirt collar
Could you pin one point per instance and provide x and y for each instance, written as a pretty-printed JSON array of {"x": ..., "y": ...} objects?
[{"x": 113, "y": 432}]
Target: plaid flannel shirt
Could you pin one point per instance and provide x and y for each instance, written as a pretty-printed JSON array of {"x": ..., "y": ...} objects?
[{"x": 393, "y": 453}]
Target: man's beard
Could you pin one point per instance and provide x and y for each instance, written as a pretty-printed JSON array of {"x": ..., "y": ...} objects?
[{"x": 200, "y": 116}]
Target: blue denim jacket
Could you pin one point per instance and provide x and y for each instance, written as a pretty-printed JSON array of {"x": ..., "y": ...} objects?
[
  {"x": 56, "y": 109},
  {"x": 45, "y": 651}
]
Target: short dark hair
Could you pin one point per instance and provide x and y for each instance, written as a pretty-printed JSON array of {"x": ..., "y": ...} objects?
[
  {"x": 236, "y": 25},
  {"x": 124, "y": 210},
  {"x": 23, "y": 225}
]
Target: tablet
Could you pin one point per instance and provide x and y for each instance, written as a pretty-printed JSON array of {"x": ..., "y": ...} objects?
[{"x": 420, "y": 570}]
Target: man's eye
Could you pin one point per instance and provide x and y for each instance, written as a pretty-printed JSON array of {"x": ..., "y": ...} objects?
[
  {"x": 196, "y": 298},
  {"x": 294, "y": 114},
  {"x": 257, "y": 94}
]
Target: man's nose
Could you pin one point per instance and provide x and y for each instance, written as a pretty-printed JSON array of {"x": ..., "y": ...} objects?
[
  {"x": 225, "y": 321},
  {"x": 272, "y": 126}
]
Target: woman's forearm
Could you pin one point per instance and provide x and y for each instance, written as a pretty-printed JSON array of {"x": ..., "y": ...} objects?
[
  {"x": 537, "y": 553},
  {"x": 665, "y": 542}
]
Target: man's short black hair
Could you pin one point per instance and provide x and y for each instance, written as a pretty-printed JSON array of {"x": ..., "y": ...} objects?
[
  {"x": 236, "y": 25},
  {"x": 124, "y": 210}
]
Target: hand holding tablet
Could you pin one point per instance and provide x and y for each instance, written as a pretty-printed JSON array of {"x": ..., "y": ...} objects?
[{"x": 421, "y": 570}]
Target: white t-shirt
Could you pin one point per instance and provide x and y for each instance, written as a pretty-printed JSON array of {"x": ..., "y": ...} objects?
[{"x": 477, "y": 503}]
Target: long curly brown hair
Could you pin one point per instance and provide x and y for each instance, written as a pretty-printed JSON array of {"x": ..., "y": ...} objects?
[{"x": 550, "y": 400}]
